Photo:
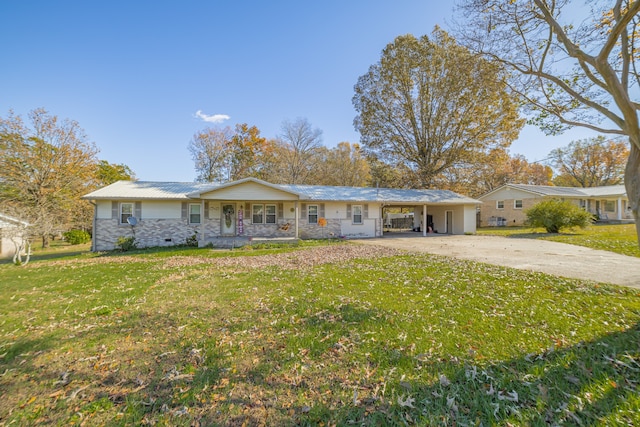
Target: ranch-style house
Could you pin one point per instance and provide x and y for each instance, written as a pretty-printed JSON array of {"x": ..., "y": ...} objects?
[{"x": 169, "y": 213}]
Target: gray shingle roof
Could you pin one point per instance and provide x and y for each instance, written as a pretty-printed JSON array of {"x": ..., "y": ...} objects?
[
  {"x": 367, "y": 194},
  {"x": 547, "y": 190},
  {"x": 147, "y": 190}
]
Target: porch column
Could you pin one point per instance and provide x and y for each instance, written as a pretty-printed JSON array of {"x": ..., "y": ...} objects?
[
  {"x": 296, "y": 220},
  {"x": 619, "y": 213},
  {"x": 424, "y": 221},
  {"x": 202, "y": 225}
]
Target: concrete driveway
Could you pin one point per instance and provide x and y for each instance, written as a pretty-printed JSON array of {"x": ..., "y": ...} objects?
[{"x": 559, "y": 259}]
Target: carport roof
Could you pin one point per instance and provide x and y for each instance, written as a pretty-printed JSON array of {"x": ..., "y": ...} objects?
[{"x": 149, "y": 190}]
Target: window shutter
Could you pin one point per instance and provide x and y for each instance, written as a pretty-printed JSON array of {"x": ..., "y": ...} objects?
[
  {"x": 303, "y": 210},
  {"x": 348, "y": 211},
  {"x": 280, "y": 210},
  {"x": 365, "y": 213},
  {"x": 206, "y": 210},
  {"x": 321, "y": 210},
  {"x": 114, "y": 210},
  {"x": 183, "y": 210},
  {"x": 138, "y": 210}
]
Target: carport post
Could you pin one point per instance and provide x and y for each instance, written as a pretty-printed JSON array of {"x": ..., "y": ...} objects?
[
  {"x": 424, "y": 221},
  {"x": 619, "y": 209}
]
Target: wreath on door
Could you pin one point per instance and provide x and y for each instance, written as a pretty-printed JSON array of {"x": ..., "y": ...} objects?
[{"x": 228, "y": 215}]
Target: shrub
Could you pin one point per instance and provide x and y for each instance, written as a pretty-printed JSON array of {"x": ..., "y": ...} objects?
[
  {"x": 192, "y": 241},
  {"x": 126, "y": 243},
  {"x": 77, "y": 237},
  {"x": 554, "y": 215}
]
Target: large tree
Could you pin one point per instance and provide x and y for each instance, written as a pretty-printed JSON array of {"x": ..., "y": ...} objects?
[
  {"x": 344, "y": 165},
  {"x": 431, "y": 104},
  {"x": 45, "y": 166},
  {"x": 574, "y": 63},
  {"x": 225, "y": 155},
  {"x": 211, "y": 153},
  {"x": 590, "y": 162},
  {"x": 493, "y": 169},
  {"x": 108, "y": 173},
  {"x": 300, "y": 144}
]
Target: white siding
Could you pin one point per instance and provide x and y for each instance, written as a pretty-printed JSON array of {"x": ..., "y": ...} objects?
[
  {"x": 161, "y": 210},
  {"x": 469, "y": 219},
  {"x": 509, "y": 193},
  {"x": 366, "y": 229},
  {"x": 104, "y": 209},
  {"x": 289, "y": 211},
  {"x": 249, "y": 191}
]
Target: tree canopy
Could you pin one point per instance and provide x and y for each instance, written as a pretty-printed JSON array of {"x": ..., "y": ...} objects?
[
  {"x": 431, "y": 104},
  {"x": 44, "y": 167},
  {"x": 590, "y": 162},
  {"x": 572, "y": 64}
]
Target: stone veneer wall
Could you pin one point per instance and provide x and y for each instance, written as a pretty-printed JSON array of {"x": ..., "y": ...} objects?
[
  {"x": 148, "y": 232},
  {"x": 170, "y": 232},
  {"x": 314, "y": 231}
]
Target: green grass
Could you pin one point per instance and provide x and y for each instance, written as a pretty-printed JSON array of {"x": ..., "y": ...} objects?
[
  {"x": 156, "y": 337},
  {"x": 619, "y": 238}
]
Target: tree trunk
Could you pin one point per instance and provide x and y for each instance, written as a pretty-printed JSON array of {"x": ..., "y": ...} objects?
[
  {"x": 632, "y": 184},
  {"x": 45, "y": 241}
]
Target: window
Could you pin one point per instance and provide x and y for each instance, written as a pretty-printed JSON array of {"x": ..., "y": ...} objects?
[
  {"x": 263, "y": 214},
  {"x": 500, "y": 204},
  {"x": 126, "y": 211},
  {"x": 257, "y": 214},
  {"x": 270, "y": 214},
  {"x": 194, "y": 213},
  {"x": 609, "y": 206},
  {"x": 356, "y": 214},
  {"x": 517, "y": 204},
  {"x": 313, "y": 214}
]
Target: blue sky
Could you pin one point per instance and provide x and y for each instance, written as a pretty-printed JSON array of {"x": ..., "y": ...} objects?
[{"x": 135, "y": 74}]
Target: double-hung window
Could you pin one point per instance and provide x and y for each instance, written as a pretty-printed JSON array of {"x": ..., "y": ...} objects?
[
  {"x": 263, "y": 214},
  {"x": 270, "y": 214},
  {"x": 126, "y": 211},
  {"x": 257, "y": 214},
  {"x": 500, "y": 204},
  {"x": 194, "y": 213},
  {"x": 312, "y": 212},
  {"x": 517, "y": 204},
  {"x": 356, "y": 214}
]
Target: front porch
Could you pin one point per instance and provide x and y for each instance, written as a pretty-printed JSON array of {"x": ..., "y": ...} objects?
[{"x": 227, "y": 242}]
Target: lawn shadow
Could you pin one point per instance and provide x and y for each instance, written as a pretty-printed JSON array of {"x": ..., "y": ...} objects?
[{"x": 587, "y": 383}]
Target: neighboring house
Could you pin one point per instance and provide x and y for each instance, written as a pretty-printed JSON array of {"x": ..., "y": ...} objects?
[
  {"x": 506, "y": 205},
  {"x": 12, "y": 232},
  {"x": 167, "y": 213}
]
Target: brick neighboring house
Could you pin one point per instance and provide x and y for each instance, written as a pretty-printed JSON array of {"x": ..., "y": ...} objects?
[
  {"x": 506, "y": 205},
  {"x": 168, "y": 213}
]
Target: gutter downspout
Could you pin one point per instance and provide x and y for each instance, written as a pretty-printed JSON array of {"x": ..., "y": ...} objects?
[{"x": 93, "y": 226}]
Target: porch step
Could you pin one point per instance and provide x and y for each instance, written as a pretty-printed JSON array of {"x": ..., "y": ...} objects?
[{"x": 237, "y": 242}]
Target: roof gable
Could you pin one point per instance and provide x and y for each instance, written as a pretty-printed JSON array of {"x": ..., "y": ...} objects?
[{"x": 247, "y": 189}]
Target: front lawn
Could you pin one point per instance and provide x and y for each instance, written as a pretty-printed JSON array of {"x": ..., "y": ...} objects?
[
  {"x": 326, "y": 335},
  {"x": 619, "y": 238}
]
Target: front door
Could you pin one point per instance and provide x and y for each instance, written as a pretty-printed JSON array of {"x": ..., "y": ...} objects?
[{"x": 228, "y": 220}]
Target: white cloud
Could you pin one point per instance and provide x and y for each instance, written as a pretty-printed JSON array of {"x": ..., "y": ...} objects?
[{"x": 216, "y": 118}]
